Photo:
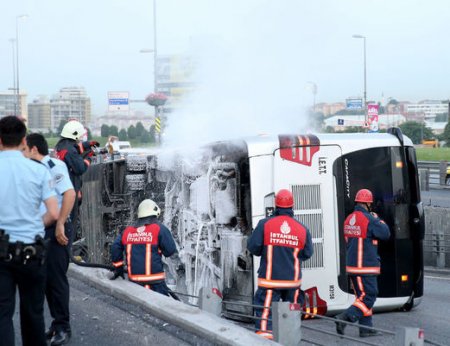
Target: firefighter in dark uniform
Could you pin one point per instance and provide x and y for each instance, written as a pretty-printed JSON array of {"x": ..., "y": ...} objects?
[
  {"x": 24, "y": 184},
  {"x": 362, "y": 230},
  {"x": 59, "y": 236},
  {"x": 77, "y": 155},
  {"x": 283, "y": 243},
  {"x": 144, "y": 244}
]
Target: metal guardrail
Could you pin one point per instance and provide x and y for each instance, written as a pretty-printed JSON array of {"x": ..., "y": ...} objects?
[{"x": 433, "y": 174}]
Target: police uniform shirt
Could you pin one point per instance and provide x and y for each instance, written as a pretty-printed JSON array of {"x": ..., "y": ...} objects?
[
  {"x": 24, "y": 184},
  {"x": 60, "y": 176}
]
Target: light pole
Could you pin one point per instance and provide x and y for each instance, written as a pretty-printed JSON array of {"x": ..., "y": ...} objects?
[
  {"x": 17, "y": 62},
  {"x": 365, "y": 78},
  {"x": 13, "y": 48},
  {"x": 154, "y": 46}
]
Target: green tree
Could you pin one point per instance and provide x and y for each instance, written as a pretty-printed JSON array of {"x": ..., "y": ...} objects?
[
  {"x": 61, "y": 125},
  {"x": 446, "y": 135},
  {"x": 89, "y": 133},
  {"x": 114, "y": 130},
  {"x": 145, "y": 137},
  {"x": 153, "y": 133},
  {"x": 123, "y": 135},
  {"x": 132, "y": 132},
  {"x": 139, "y": 129},
  {"x": 104, "y": 131},
  {"x": 416, "y": 131}
]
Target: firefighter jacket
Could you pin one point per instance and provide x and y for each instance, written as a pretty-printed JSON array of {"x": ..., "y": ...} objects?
[
  {"x": 144, "y": 244},
  {"x": 69, "y": 151},
  {"x": 282, "y": 242},
  {"x": 362, "y": 230}
]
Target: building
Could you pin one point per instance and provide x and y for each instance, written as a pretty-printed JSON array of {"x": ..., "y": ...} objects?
[
  {"x": 9, "y": 105},
  {"x": 70, "y": 103},
  {"x": 429, "y": 108},
  {"x": 329, "y": 108},
  {"x": 174, "y": 78},
  {"x": 340, "y": 122},
  {"x": 39, "y": 114}
]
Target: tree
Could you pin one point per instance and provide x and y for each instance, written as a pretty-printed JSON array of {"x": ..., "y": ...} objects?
[
  {"x": 104, "y": 131},
  {"x": 89, "y": 133},
  {"x": 123, "y": 135},
  {"x": 145, "y": 137},
  {"x": 132, "y": 132},
  {"x": 416, "y": 131},
  {"x": 446, "y": 135},
  {"x": 113, "y": 130},
  {"x": 153, "y": 133},
  {"x": 139, "y": 129},
  {"x": 61, "y": 125}
]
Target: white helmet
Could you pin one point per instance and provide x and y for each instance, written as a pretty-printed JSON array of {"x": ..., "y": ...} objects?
[
  {"x": 148, "y": 208},
  {"x": 73, "y": 129}
]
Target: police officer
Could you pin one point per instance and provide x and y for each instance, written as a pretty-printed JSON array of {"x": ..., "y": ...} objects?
[
  {"x": 24, "y": 184},
  {"x": 144, "y": 243},
  {"x": 362, "y": 230},
  {"x": 59, "y": 237},
  {"x": 282, "y": 242},
  {"x": 77, "y": 155}
]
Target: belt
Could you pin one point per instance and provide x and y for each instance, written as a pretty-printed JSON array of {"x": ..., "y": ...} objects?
[{"x": 20, "y": 252}]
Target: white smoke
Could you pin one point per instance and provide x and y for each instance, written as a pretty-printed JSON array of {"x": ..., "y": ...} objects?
[{"x": 249, "y": 79}]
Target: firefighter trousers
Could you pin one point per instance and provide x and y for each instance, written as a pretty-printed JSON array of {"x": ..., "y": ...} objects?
[
  {"x": 264, "y": 297},
  {"x": 366, "y": 290}
]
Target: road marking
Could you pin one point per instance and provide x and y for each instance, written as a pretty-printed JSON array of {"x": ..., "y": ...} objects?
[{"x": 437, "y": 277}]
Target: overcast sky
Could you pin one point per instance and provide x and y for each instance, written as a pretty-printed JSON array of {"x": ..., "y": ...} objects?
[{"x": 280, "y": 44}]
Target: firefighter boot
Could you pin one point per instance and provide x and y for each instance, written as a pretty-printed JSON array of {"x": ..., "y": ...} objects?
[
  {"x": 366, "y": 332},
  {"x": 340, "y": 327}
]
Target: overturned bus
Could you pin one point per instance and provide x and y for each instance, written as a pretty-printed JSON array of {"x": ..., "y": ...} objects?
[{"x": 212, "y": 197}]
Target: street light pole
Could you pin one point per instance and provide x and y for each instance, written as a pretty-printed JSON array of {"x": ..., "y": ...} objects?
[
  {"x": 17, "y": 62},
  {"x": 365, "y": 78},
  {"x": 13, "y": 48},
  {"x": 314, "y": 92},
  {"x": 154, "y": 47}
]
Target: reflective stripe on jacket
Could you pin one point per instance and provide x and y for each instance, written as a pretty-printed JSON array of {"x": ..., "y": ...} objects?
[
  {"x": 361, "y": 231},
  {"x": 144, "y": 245},
  {"x": 282, "y": 242}
]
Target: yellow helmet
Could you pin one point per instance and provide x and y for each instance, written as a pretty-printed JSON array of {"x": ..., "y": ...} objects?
[
  {"x": 73, "y": 129},
  {"x": 148, "y": 208}
]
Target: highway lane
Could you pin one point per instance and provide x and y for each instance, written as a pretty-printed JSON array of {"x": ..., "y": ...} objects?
[
  {"x": 99, "y": 319},
  {"x": 432, "y": 315},
  {"x": 436, "y": 197}
]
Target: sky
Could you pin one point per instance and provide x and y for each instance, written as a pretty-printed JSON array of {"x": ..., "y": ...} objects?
[{"x": 257, "y": 57}]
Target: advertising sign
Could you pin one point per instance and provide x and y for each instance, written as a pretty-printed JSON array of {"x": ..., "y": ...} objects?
[
  {"x": 354, "y": 103},
  {"x": 118, "y": 100},
  {"x": 372, "y": 114}
]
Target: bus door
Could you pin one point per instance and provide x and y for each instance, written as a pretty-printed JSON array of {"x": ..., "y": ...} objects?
[
  {"x": 384, "y": 171},
  {"x": 305, "y": 167}
]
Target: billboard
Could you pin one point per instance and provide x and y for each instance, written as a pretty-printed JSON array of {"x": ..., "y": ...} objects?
[
  {"x": 372, "y": 115},
  {"x": 354, "y": 103},
  {"x": 118, "y": 100}
]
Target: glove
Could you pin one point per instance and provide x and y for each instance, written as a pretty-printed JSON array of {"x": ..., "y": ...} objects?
[
  {"x": 94, "y": 144},
  {"x": 374, "y": 214},
  {"x": 118, "y": 272}
]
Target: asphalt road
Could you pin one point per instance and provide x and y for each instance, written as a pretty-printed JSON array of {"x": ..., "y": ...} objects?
[
  {"x": 99, "y": 319},
  {"x": 431, "y": 315},
  {"x": 436, "y": 198}
]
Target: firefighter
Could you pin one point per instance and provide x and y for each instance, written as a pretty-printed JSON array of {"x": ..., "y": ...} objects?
[
  {"x": 59, "y": 236},
  {"x": 362, "y": 230},
  {"x": 24, "y": 185},
  {"x": 282, "y": 242},
  {"x": 77, "y": 155},
  {"x": 144, "y": 243}
]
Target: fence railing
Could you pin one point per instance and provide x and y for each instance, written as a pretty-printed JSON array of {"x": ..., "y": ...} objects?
[{"x": 433, "y": 174}]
